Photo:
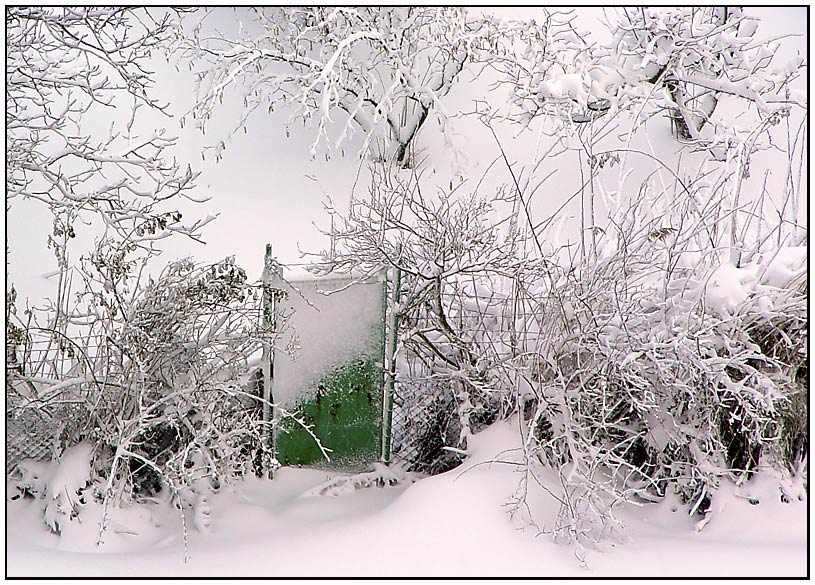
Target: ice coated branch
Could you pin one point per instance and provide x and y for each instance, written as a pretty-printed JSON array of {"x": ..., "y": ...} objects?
[
  {"x": 387, "y": 69},
  {"x": 67, "y": 68}
]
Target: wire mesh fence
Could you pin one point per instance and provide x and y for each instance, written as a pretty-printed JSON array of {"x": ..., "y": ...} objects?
[
  {"x": 38, "y": 411},
  {"x": 425, "y": 424}
]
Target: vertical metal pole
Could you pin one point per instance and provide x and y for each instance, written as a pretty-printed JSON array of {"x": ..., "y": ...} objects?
[
  {"x": 269, "y": 326},
  {"x": 387, "y": 402},
  {"x": 383, "y": 345}
]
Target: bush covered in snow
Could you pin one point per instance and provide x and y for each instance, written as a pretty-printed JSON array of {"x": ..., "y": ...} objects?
[
  {"x": 663, "y": 369},
  {"x": 654, "y": 363},
  {"x": 163, "y": 398}
]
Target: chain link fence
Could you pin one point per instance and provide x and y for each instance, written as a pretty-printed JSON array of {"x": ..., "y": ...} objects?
[
  {"x": 425, "y": 422},
  {"x": 35, "y": 419}
]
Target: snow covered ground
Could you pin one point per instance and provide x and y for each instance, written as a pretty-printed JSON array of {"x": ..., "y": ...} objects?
[{"x": 454, "y": 524}]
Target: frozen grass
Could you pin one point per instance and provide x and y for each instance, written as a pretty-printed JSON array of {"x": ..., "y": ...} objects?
[{"x": 452, "y": 524}]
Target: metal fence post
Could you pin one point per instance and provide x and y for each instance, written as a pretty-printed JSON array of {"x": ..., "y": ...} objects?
[
  {"x": 270, "y": 328},
  {"x": 387, "y": 402}
]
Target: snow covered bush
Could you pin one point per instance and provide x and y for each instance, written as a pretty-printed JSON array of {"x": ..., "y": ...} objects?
[
  {"x": 653, "y": 364},
  {"x": 659, "y": 368},
  {"x": 163, "y": 397},
  {"x": 81, "y": 375},
  {"x": 670, "y": 353},
  {"x": 451, "y": 256}
]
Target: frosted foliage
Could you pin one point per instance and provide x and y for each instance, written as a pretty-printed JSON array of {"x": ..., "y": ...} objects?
[
  {"x": 682, "y": 61},
  {"x": 323, "y": 331},
  {"x": 381, "y": 72}
]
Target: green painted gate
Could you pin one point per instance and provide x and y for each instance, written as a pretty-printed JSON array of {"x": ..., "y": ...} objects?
[
  {"x": 346, "y": 415},
  {"x": 328, "y": 371}
]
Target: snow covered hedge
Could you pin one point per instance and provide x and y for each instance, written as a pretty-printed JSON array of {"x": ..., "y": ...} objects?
[
  {"x": 668, "y": 371},
  {"x": 654, "y": 363},
  {"x": 160, "y": 396}
]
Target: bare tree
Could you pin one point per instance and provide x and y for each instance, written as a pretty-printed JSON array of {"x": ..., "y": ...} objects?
[
  {"x": 682, "y": 61},
  {"x": 385, "y": 71},
  {"x": 457, "y": 252},
  {"x": 67, "y": 70}
]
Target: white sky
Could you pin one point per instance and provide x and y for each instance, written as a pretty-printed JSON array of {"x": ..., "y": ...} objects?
[{"x": 266, "y": 189}]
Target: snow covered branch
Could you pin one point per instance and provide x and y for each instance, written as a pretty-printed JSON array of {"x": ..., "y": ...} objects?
[
  {"x": 69, "y": 68},
  {"x": 682, "y": 61},
  {"x": 387, "y": 69}
]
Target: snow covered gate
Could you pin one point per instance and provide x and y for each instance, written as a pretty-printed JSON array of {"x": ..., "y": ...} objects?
[{"x": 328, "y": 370}]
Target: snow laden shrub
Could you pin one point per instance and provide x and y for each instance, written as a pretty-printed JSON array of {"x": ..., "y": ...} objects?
[
  {"x": 190, "y": 423},
  {"x": 449, "y": 254},
  {"x": 660, "y": 366},
  {"x": 783, "y": 336},
  {"x": 163, "y": 396}
]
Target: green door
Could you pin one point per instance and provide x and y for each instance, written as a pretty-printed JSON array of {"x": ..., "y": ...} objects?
[
  {"x": 334, "y": 382},
  {"x": 345, "y": 413}
]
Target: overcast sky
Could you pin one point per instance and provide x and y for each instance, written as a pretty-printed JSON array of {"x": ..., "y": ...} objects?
[{"x": 267, "y": 189}]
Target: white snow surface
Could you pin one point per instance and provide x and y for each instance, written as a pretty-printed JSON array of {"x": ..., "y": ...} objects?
[
  {"x": 324, "y": 330},
  {"x": 454, "y": 524},
  {"x": 728, "y": 287}
]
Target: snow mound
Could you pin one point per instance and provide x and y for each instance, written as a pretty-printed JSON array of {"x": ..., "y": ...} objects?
[{"x": 453, "y": 524}]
